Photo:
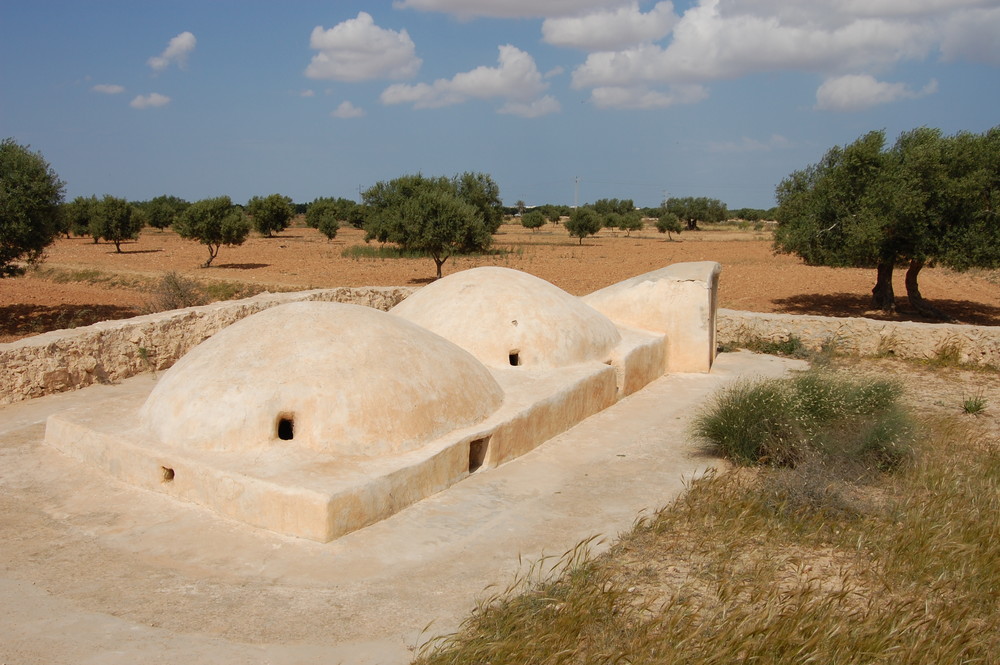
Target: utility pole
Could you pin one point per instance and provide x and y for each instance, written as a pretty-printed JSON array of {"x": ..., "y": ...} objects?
[{"x": 576, "y": 192}]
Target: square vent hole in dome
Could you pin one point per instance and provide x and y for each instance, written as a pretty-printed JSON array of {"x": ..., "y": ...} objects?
[
  {"x": 514, "y": 357},
  {"x": 285, "y": 426},
  {"x": 477, "y": 453}
]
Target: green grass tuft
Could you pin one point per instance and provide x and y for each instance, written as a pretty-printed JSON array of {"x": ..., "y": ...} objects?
[
  {"x": 776, "y": 421},
  {"x": 975, "y": 404}
]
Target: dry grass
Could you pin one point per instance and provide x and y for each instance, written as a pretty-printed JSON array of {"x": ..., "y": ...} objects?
[{"x": 772, "y": 565}]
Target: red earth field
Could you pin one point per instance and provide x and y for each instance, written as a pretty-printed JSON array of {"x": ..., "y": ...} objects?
[{"x": 81, "y": 282}]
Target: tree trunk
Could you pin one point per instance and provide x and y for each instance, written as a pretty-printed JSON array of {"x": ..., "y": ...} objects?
[
  {"x": 213, "y": 251},
  {"x": 439, "y": 262},
  {"x": 916, "y": 300},
  {"x": 882, "y": 296}
]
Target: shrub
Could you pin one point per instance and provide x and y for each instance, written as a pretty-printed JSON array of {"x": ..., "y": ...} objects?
[
  {"x": 174, "y": 291},
  {"x": 778, "y": 422}
]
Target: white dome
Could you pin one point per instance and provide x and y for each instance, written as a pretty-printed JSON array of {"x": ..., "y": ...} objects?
[
  {"x": 328, "y": 377},
  {"x": 506, "y": 317}
]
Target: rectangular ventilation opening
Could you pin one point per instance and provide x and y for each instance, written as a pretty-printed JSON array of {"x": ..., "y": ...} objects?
[
  {"x": 515, "y": 358},
  {"x": 286, "y": 427},
  {"x": 477, "y": 453}
]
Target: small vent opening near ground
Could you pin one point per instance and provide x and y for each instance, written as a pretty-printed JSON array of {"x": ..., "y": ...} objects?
[{"x": 477, "y": 453}]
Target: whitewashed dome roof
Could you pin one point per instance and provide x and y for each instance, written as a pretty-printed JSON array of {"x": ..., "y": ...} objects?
[
  {"x": 328, "y": 377},
  {"x": 507, "y": 317}
]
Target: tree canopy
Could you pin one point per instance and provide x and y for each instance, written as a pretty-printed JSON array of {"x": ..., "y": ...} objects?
[
  {"x": 270, "y": 214},
  {"x": 324, "y": 214},
  {"x": 163, "y": 211},
  {"x": 213, "y": 222},
  {"x": 115, "y": 220},
  {"x": 432, "y": 215},
  {"x": 584, "y": 222},
  {"x": 668, "y": 223},
  {"x": 928, "y": 199},
  {"x": 30, "y": 194},
  {"x": 533, "y": 219},
  {"x": 692, "y": 210},
  {"x": 77, "y": 214}
]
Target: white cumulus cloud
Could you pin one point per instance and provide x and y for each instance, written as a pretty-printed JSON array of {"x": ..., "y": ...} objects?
[
  {"x": 151, "y": 100},
  {"x": 726, "y": 39},
  {"x": 643, "y": 97},
  {"x": 974, "y": 36},
  {"x": 347, "y": 110},
  {"x": 359, "y": 50},
  {"x": 109, "y": 88},
  {"x": 177, "y": 52},
  {"x": 516, "y": 80},
  {"x": 611, "y": 28},
  {"x": 509, "y": 8},
  {"x": 855, "y": 92}
]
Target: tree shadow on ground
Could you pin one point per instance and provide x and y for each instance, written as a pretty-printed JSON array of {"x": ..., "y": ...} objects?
[
  {"x": 856, "y": 304},
  {"x": 423, "y": 280},
  {"x": 23, "y": 320},
  {"x": 137, "y": 251},
  {"x": 243, "y": 266}
]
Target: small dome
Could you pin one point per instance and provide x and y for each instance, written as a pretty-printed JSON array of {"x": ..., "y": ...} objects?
[
  {"x": 506, "y": 317},
  {"x": 328, "y": 377}
]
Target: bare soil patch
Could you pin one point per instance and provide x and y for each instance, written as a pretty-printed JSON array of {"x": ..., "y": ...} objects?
[{"x": 105, "y": 284}]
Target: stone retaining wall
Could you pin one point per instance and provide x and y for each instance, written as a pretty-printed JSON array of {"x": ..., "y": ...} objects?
[
  {"x": 109, "y": 351},
  {"x": 976, "y": 345},
  {"x": 113, "y": 350}
]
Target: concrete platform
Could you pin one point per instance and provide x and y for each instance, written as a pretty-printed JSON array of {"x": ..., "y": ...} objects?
[{"x": 97, "y": 571}]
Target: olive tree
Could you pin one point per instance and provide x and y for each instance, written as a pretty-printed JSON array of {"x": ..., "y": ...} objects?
[
  {"x": 692, "y": 210},
  {"x": 631, "y": 221},
  {"x": 668, "y": 223},
  {"x": 78, "y": 213},
  {"x": 270, "y": 214},
  {"x": 583, "y": 222},
  {"x": 163, "y": 211},
  {"x": 30, "y": 194},
  {"x": 115, "y": 220},
  {"x": 324, "y": 214},
  {"x": 426, "y": 215},
  {"x": 214, "y": 222},
  {"x": 928, "y": 198},
  {"x": 533, "y": 220}
]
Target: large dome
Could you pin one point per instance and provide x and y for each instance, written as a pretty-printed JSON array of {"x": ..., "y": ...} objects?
[
  {"x": 506, "y": 317},
  {"x": 333, "y": 378}
]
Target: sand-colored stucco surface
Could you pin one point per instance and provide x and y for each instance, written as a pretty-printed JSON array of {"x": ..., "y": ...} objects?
[{"x": 97, "y": 571}]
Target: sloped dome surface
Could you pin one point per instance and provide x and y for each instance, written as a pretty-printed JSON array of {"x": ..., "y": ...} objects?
[
  {"x": 507, "y": 317},
  {"x": 328, "y": 377}
]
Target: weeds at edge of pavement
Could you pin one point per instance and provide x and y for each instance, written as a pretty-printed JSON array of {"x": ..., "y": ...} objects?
[
  {"x": 739, "y": 570},
  {"x": 946, "y": 355}
]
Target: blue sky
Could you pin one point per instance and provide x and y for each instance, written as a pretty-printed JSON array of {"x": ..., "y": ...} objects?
[{"x": 555, "y": 99}]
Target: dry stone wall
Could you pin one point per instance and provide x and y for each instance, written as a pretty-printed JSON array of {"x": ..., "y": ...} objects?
[
  {"x": 976, "y": 345},
  {"x": 113, "y": 350},
  {"x": 109, "y": 351}
]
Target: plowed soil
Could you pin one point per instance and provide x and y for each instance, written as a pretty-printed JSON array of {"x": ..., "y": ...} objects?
[{"x": 81, "y": 282}]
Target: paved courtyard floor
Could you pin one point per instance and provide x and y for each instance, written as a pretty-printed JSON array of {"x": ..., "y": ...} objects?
[{"x": 95, "y": 571}]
